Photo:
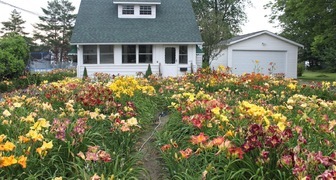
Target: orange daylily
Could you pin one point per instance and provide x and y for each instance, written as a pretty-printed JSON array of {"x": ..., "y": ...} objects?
[
  {"x": 186, "y": 153},
  {"x": 201, "y": 138},
  {"x": 7, "y": 161},
  {"x": 22, "y": 161},
  {"x": 8, "y": 146}
]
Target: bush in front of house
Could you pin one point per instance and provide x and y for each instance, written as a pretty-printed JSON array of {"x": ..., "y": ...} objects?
[
  {"x": 14, "y": 53},
  {"x": 149, "y": 71}
]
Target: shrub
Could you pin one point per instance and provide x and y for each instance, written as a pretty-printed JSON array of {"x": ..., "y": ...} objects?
[
  {"x": 85, "y": 74},
  {"x": 13, "y": 56},
  {"x": 149, "y": 71},
  {"x": 300, "y": 69}
]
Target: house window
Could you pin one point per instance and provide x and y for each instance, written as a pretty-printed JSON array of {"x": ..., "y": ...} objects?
[
  {"x": 90, "y": 54},
  {"x": 128, "y": 9},
  {"x": 145, "y": 54},
  {"x": 106, "y": 54},
  {"x": 145, "y": 10},
  {"x": 183, "y": 54},
  {"x": 129, "y": 54}
]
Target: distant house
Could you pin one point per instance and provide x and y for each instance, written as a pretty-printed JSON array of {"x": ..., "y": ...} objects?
[
  {"x": 124, "y": 36},
  {"x": 255, "y": 52}
]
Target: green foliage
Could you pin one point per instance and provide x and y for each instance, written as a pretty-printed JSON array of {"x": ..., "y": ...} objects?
[
  {"x": 205, "y": 64},
  {"x": 56, "y": 27},
  {"x": 85, "y": 74},
  {"x": 218, "y": 20},
  {"x": 14, "y": 25},
  {"x": 36, "y": 79},
  {"x": 300, "y": 69},
  {"x": 148, "y": 71},
  {"x": 310, "y": 23},
  {"x": 14, "y": 55}
]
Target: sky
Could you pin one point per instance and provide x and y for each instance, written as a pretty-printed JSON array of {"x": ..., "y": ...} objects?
[{"x": 255, "y": 14}]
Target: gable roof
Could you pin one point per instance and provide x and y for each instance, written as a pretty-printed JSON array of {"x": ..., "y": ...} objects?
[
  {"x": 98, "y": 23},
  {"x": 244, "y": 37}
]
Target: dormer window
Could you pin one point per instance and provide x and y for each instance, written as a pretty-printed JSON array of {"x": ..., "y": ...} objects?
[
  {"x": 145, "y": 10},
  {"x": 141, "y": 9},
  {"x": 128, "y": 10}
]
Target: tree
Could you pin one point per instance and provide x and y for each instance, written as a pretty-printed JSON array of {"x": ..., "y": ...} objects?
[
  {"x": 218, "y": 20},
  {"x": 14, "y": 25},
  {"x": 311, "y": 23},
  {"x": 14, "y": 55},
  {"x": 56, "y": 27}
]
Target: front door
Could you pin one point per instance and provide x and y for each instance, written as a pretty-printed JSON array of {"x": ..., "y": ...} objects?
[{"x": 169, "y": 68}]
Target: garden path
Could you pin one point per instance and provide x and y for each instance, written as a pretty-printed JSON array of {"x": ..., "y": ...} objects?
[{"x": 151, "y": 156}]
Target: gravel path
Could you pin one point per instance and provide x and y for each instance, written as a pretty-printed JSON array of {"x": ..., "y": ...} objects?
[{"x": 151, "y": 155}]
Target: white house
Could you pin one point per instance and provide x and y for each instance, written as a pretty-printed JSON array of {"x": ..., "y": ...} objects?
[
  {"x": 124, "y": 36},
  {"x": 255, "y": 51}
]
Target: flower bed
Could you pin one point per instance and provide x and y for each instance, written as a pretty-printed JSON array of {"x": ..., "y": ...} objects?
[
  {"x": 74, "y": 129},
  {"x": 220, "y": 126},
  {"x": 252, "y": 126}
]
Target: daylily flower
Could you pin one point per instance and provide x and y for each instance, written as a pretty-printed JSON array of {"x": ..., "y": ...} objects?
[
  {"x": 2, "y": 137},
  {"x": 34, "y": 135},
  {"x": 6, "y": 113},
  {"x": 218, "y": 141},
  {"x": 7, "y": 161},
  {"x": 8, "y": 146},
  {"x": 199, "y": 139},
  {"x": 132, "y": 121},
  {"x": 165, "y": 147},
  {"x": 236, "y": 152},
  {"x": 22, "y": 160},
  {"x": 95, "y": 177},
  {"x": 41, "y": 123},
  {"x": 186, "y": 153}
]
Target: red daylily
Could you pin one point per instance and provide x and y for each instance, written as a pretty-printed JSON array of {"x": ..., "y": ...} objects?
[{"x": 236, "y": 152}]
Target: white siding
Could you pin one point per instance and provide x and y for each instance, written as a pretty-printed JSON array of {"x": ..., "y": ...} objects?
[
  {"x": 132, "y": 69},
  {"x": 256, "y": 46},
  {"x": 269, "y": 43},
  {"x": 129, "y": 70},
  {"x": 199, "y": 60},
  {"x": 221, "y": 59}
]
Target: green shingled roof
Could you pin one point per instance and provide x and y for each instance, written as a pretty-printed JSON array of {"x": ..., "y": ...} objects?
[{"x": 98, "y": 22}]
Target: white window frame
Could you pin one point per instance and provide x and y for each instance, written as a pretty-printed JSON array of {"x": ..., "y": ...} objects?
[
  {"x": 144, "y": 53},
  {"x": 98, "y": 53},
  {"x": 94, "y": 53},
  {"x": 111, "y": 53},
  {"x": 137, "y": 54},
  {"x": 183, "y": 55},
  {"x": 137, "y": 14}
]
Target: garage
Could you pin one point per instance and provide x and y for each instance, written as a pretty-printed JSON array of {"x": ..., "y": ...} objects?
[
  {"x": 265, "y": 62},
  {"x": 254, "y": 53}
]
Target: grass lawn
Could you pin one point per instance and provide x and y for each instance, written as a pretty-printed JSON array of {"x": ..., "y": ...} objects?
[{"x": 317, "y": 76}]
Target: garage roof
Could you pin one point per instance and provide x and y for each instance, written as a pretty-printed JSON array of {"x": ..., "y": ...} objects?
[{"x": 244, "y": 37}]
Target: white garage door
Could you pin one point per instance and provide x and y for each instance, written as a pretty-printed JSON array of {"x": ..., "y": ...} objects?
[{"x": 245, "y": 61}]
